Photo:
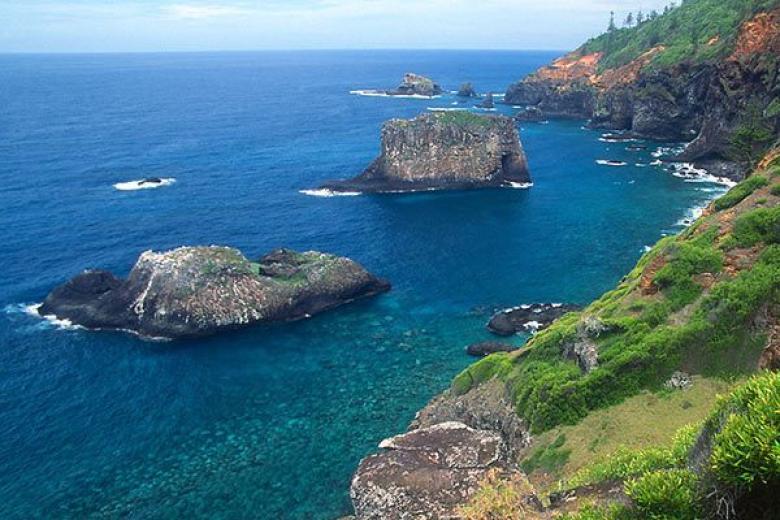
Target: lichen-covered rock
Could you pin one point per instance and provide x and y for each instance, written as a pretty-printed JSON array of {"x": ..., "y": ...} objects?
[
  {"x": 455, "y": 150},
  {"x": 527, "y": 318},
  {"x": 195, "y": 291},
  {"x": 416, "y": 85},
  {"x": 425, "y": 473}
]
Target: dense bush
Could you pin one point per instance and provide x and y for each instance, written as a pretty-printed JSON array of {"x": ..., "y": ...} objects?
[
  {"x": 759, "y": 225},
  {"x": 739, "y": 192},
  {"x": 665, "y": 494}
]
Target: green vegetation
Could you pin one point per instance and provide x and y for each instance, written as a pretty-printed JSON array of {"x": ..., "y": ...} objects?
[
  {"x": 547, "y": 458},
  {"x": 698, "y": 30},
  {"x": 665, "y": 494},
  {"x": 759, "y": 225},
  {"x": 753, "y": 136},
  {"x": 645, "y": 335},
  {"x": 644, "y": 420},
  {"x": 739, "y": 192},
  {"x": 743, "y": 432},
  {"x": 464, "y": 118}
]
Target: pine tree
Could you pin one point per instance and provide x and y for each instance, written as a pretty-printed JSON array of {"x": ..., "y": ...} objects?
[
  {"x": 611, "y": 27},
  {"x": 629, "y": 20},
  {"x": 640, "y": 17}
]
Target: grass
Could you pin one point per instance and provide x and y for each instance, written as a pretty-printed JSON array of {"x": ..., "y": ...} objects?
[
  {"x": 739, "y": 192},
  {"x": 464, "y": 118},
  {"x": 647, "y": 419}
]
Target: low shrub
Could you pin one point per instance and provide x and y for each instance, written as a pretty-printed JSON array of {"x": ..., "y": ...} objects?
[
  {"x": 739, "y": 192},
  {"x": 665, "y": 494}
]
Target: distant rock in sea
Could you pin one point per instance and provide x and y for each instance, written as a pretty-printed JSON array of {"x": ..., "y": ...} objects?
[
  {"x": 467, "y": 90},
  {"x": 197, "y": 291},
  {"x": 527, "y": 318},
  {"x": 487, "y": 102},
  {"x": 530, "y": 114},
  {"x": 414, "y": 84},
  {"x": 444, "y": 150}
]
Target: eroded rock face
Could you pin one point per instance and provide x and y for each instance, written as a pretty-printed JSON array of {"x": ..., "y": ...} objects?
[
  {"x": 527, "y": 318},
  {"x": 425, "y": 473},
  {"x": 195, "y": 291},
  {"x": 455, "y": 150}
]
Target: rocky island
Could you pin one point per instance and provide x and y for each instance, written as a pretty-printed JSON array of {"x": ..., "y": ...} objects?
[
  {"x": 416, "y": 85},
  {"x": 197, "y": 291},
  {"x": 467, "y": 90},
  {"x": 444, "y": 150}
]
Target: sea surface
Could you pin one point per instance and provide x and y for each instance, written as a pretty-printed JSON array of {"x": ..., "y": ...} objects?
[{"x": 270, "y": 422}]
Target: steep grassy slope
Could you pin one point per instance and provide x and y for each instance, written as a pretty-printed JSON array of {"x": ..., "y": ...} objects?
[
  {"x": 698, "y": 30},
  {"x": 592, "y": 385}
]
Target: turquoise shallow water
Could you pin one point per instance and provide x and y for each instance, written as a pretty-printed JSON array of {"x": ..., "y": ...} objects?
[{"x": 269, "y": 422}]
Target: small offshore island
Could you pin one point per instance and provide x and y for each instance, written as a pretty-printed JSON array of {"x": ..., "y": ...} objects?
[
  {"x": 444, "y": 150},
  {"x": 197, "y": 291}
]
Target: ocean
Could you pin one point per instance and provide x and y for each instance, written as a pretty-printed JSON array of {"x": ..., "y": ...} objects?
[{"x": 271, "y": 422}]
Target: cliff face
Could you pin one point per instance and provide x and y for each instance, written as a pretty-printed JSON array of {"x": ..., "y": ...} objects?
[
  {"x": 195, "y": 291},
  {"x": 726, "y": 105},
  {"x": 444, "y": 150}
]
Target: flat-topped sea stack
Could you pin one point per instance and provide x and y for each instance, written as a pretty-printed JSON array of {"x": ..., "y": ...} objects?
[
  {"x": 444, "y": 150},
  {"x": 416, "y": 85},
  {"x": 197, "y": 291}
]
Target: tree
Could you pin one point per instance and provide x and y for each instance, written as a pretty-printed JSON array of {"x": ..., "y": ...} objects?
[
  {"x": 611, "y": 27},
  {"x": 640, "y": 17},
  {"x": 629, "y": 20}
]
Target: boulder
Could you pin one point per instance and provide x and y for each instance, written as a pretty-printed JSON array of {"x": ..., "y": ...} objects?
[
  {"x": 425, "y": 473},
  {"x": 467, "y": 90}
]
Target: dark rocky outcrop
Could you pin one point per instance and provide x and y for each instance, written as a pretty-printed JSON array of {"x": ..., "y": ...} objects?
[
  {"x": 488, "y": 102},
  {"x": 450, "y": 150},
  {"x": 530, "y": 114},
  {"x": 527, "y": 318},
  {"x": 196, "y": 291},
  {"x": 467, "y": 90},
  {"x": 416, "y": 85},
  {"x": 485, "y": 348}
]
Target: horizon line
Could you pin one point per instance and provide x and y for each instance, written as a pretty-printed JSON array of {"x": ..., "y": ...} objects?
[{"x": 303, "y": 49}]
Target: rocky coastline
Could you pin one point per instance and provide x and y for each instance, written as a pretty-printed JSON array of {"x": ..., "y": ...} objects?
[
  {"x": 706, "y": 104},
  {"x": 452, "y": 150},
  {"x": 198, "y": 291},
  {"x": 527, "y": 318}
]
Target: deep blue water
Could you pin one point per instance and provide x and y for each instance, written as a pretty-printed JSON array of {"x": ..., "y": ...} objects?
[{"x": 269, "y": 422}]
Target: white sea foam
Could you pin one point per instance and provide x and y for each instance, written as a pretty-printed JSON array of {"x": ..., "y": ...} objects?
[
  {"x": 443, "y": 109},
  {"x": 519, "y": 185},
  {"x": 32, "y": 310},
  {"x": 143, "y": 184},
  {"x": 616, "y": 140},
  {"x": 605, "y": 162},
  {"x": 690, "y": 173},
  {"x": 382, "y": 93},
  {"x": 325, "y": 192},
  {"x": 485, "y": 109},
  {"x": 647, "y": 249},
  {"x": 532, "y": 325},
  {"x": 640, "y": 165},
  {"x": 545, "y": 122}
]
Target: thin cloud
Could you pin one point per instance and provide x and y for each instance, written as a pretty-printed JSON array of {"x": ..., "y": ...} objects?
[{"x": 202, "y": 12}]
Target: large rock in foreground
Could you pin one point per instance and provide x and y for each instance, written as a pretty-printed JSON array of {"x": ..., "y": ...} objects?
[
  {"x": 527, "y": 318},
  {"x": 455, "y": 150},
  {"x": 196, "y": 291},
  {"x": 426, "y": 473}
]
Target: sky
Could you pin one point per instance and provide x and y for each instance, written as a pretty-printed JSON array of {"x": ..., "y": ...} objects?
[{"x": 209, "y": 25}]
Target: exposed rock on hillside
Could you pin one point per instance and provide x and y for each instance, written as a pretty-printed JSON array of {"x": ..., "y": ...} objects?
[
  {"x": 527, "y": 318},
  {"x": 455, "y": 150},
  {"x": 195, "y": 291}
]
